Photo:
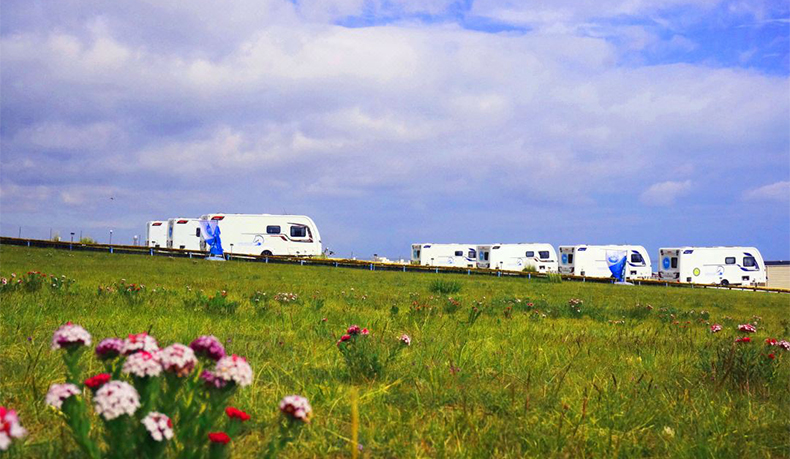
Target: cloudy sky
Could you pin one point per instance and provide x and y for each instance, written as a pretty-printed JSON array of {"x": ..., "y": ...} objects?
[{"x": 655, "y": 122}]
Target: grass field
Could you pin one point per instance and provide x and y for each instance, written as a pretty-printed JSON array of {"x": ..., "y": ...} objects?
[{"x": 509, "y": 368}]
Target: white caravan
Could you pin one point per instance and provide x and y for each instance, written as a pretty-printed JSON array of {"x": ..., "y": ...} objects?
[
  {"x": 451, "y": 255},
  {"x": 590, "y": 261},
  {"x": 712, "y": 265},
  {"x": 266, "y": 234},
  {"x": 156, "y": 234},
  {"x": 183, "y": 233},
  {"x": 518, "y": 257}
]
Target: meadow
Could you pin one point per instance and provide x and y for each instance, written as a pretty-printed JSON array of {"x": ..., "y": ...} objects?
[{"x": 496, "y": 367}]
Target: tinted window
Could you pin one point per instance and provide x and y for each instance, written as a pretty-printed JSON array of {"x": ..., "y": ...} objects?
[
  {"x": 543, "y": 254},
  {"x": 485, "y": 256},
  {"x": 459, "y": 253},
  {"x": 749, "y": 261},
  {"x": 637, "y": 258},
  {"x": 197, "y": 232},
  {"x": 730, "y": 260},
  {"x": 416, "y": 255},
  {"x": 472, "y": 253},
  {"x": 570, "y": 258},
  {"x": 272, "y": 229},
  {"x": 298, "y": 231},
  {"x": 530, "y": 253},
  {"x": 674, "y": 262}
]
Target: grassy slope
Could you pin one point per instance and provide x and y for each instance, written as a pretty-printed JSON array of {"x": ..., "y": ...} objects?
[{"x": 525, "y": 385}]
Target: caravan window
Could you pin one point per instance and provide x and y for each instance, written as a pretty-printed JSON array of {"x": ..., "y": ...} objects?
[
  {"x": 674, "y": 262},
  {"x": 298, "y": 231},
  {"x": 416, "y": 254},
  {"x": 636, "y": 257},
  {"x": 273, "y": 229},
  {"x": 749, "y": 262},
  {"x": 530, "y": 253},
  {"x": 459, "y": 253},
  {"x": 543, "y": 254},
  {"x": 570, "y": 258},
  {"x": 197, "y": 232},
  {"x": 729, "y": 260},
  {"x": 484, "y": 256},
  {"x": 472, "y": 254}
]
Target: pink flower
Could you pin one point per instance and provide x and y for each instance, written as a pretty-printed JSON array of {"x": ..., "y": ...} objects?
[
  {"x": 234, "y": 369},
  {"x": 296, "y": 408},
  {"x": 365, "y": 331},
  {"x": 143, "y": 364},
  {"x": 115, "y": 399},
  {"x": 404, "y": 338},
  {"x": 178, "y": 359},
  {"x": 139, "y": 342},
  {"x": 70, "y": 336},
  {"x": 208, "y": 346},
  {"x": 58, "y": 393},
  {"x": 10, "y": 428},
  {"x": 109, "y": 348},
  {"x": 353, "y": 330},
  {"x": 784, "y": 345},
  {"x": 748, "y": 328},
  {"x": 158, "y": 425},
  {"x": 715, "y": 328}
]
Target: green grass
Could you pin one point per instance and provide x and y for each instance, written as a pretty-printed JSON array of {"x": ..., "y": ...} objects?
[{"x": 530, "y": 377}]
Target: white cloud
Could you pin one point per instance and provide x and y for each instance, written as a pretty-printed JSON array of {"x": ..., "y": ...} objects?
[
  {"x": 779, "y": 191},
  {"x": 665, "y": 193}
]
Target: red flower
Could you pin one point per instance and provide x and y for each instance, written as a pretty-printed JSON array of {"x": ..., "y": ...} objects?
[
  {"x": 237, "y": 413},
  {"x": 95, "y": 382},
  {"x": 770, "y": 341},
  {"x": 771, "y": 356},
  {"x": 219, "y": 437},
  {"x": 745, "y": 339}
]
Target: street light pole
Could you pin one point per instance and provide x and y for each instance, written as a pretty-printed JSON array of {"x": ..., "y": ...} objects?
[
  {"x": 72, "y": 240},
  {"x": 110, "y": 237}
]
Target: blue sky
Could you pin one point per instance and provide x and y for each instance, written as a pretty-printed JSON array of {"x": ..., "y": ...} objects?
[{"x": 655, "y": 122}]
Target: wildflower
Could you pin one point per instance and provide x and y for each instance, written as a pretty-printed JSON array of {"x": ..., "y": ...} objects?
[
  {"x": 715, "y": 328},
  {"x": 70, "y": 336},
  {"x": 324, "y": 319},
  {"x": 208, "y": 346},
  {"x": 143, "y": 364},
  {"x": 404, "y": 338},
  {"x": 343, "y": 339},
  {"x": 58, "y": 393},
  {"x": 158, "y": 425},
  {"x": 235, "y": 413},
  {"x": 771, "y": 341},
  {"x": 178, "y": 359},
  {"x": 365, "y": 331},
  {"x": 748, "y": 328},
  {"x": 95, "y": 382},
  {"x": 745, "y": 339},
  {"x": 669, "y": 432},
  {"x": 771, "y": 356},
  {"x": 296, "y": 408},
  {"x": 234, "y": 369},
  {"x": 353, "y": 330},
  {"x": 10, "y": 427},
  {"x": 116, "y": 398},
  {"x": 784, "y": 345},
  {"x": 211, "y": 381},
  {"x": 109, "y": 348},
  {"x": 219, "y": 437},
  {"x": 139, "y": 342}
]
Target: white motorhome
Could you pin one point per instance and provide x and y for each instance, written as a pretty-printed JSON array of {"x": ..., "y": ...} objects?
[
  {"x": 266, "y": 234},
  {"x": 518, "y": 257},
  {"x": 712, "y": 265},
  {"x": 183, "y": 233},
  {"x": 451, "y": 255},
  {"x": 156, "y": 234},
  {"x": 590, "y": 261}
]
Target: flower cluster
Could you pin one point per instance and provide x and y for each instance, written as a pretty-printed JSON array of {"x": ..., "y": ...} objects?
[
  {"x": 785, "y": 345},
  {"x": 715, "y": 328},
  {"x": 404, "y": 338},
  {"x": 109, "y": 348},
  {"x": 115, "y": 399},
  {"x": 143, "y": 364},
  {"x": 158, "y": 425},
  {"x": 10, "y": 428},
  {"x": 748, "y": 328},
  {"x": 234, "y": 369},
  {"x": 70, "y": 336},
  {"x": 296, "y": 408},
  {"x": 58, "y": 393},
  {"x": 575, "y": 302},
  {"x": 139, "y": 342},
  {"x": 211, "y": 380},
  {"x": 208, "y": 346},
  {"x": 178, "y": 359},
  {"x": 283, "y": 297}
]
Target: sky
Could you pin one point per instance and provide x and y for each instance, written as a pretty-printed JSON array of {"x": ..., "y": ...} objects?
[{"x": 390, "y": 122}]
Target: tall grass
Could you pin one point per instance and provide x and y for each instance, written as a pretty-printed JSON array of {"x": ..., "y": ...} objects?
[{"x": 603, "y": 377}]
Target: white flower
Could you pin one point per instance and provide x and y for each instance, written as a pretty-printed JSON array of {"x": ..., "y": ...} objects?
[
  {"x": 58, "y": 393},
  {"x": 143, "y": 364},
  {"x": 115, "y": 399},
  {"x": 749, "y": 328},
  {"x": 784, "y": 345},
  {"x": 9, "y": 427},
  {"x": 234, "y": 368},
  {"x": 70, "y": 335},
  {"x": 405, "y": 339},
  {"x": 158, "y": 425},
  {"x": 296, "y": 407},
  {"x": 669, "y": 432},
  {"x": 178, "y": 359},
  {"x": 139, "y": 342}
]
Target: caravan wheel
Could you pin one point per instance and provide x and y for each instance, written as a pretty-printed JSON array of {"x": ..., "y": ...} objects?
[
  {"x": 725, "y": 282},
  {"x": 266, "y": 253}
]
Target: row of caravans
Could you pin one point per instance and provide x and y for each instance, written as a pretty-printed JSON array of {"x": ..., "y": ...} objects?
[
  {"x": 697, "y": 265},
  {"x": 249, "y": 234}
]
